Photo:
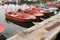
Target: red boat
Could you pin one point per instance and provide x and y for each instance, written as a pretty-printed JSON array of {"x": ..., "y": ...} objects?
[
  {"x": 34, "y": 11},
  {"x": 53, "y": 5},
  {"x": 19, "y": 17},
  {"x": 2, "y": 28},
  {"x": 38, "y": 12},
  {"x": 42, "y": 10},
  {"x": 46, "y": 11},
  {"x": 58, "y": 6}
]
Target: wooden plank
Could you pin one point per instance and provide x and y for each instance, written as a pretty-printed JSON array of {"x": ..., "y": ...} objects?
[{"x": 53, "y": 26}]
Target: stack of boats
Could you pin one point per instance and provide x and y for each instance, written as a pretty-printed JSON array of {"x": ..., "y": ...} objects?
[{"x": 25, "y": 13}]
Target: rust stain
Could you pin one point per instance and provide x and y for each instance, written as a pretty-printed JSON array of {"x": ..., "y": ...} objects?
[{"x": 53, "y": 26}]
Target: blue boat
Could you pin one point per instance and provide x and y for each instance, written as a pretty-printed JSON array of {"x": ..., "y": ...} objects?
[{"x": 47, "y": 7}]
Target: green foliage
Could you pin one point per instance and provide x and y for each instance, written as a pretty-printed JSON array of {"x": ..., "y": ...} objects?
[{"x": 29, "y": 2}]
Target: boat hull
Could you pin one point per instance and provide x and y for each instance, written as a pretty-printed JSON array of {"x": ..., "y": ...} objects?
[{"x": 17, "y": 19}]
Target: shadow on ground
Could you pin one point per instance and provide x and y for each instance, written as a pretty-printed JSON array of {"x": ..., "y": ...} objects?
[{"x": 25, "y": 25}]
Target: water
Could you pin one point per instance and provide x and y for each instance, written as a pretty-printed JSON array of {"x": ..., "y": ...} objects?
[
  {"x": 58, "y": 36},
  {"x": 2, "y": 37}
]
